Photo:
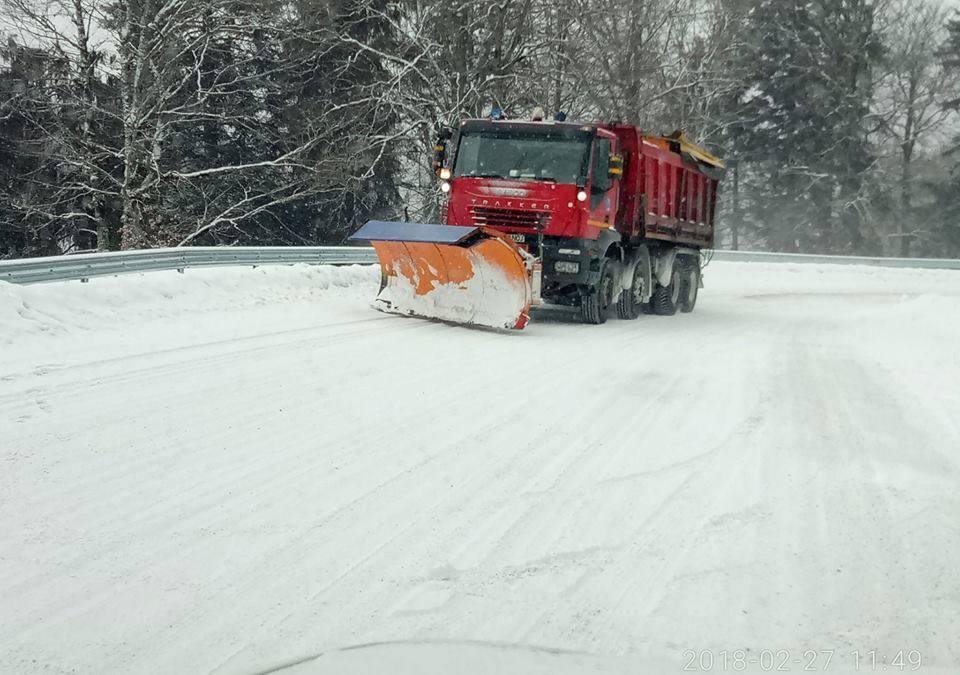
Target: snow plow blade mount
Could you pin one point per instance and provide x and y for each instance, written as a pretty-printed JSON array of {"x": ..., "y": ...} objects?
[{"x": 466, "y": 275}]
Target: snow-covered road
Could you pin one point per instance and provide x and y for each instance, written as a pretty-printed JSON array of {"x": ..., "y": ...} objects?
[{"x": 230, "y": 469}]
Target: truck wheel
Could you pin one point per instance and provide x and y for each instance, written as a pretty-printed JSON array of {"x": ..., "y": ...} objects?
[
  {"x": 630, "y": 304},
  {"x": 690, "y": 287},
  {"x": 596, "y": 302},
  {"x": 666, "y": 299}
]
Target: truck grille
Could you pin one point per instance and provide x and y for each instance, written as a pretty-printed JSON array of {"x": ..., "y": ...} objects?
[{"x": 494, "y": 217}]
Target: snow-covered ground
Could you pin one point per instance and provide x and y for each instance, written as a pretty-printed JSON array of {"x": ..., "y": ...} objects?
[{"x": 228, "y": 470}]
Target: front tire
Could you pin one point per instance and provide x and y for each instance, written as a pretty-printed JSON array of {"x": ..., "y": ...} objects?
[{"x": 596, "y": 302}]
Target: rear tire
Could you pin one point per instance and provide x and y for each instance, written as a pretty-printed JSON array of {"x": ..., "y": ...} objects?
[
  {"x": 666, "y": 299},
  {"x": 630, "y": 305},
  {"x": 595, "y": 304},
  {"x": 690, "y": 287}
]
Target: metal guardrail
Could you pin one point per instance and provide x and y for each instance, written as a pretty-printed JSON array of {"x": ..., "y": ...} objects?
[
  {"x": 916, "y": 263},
  {"x": 87, "y": 265}
]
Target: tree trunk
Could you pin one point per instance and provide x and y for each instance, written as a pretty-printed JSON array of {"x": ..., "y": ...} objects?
[
  {"x": 735, "y": 224},
  {"x": 906, "y": 171},
  {"x": 906, "y": 200},
  {"x": 132, "y": 226},
  {"x": 558, "y": 68},
  {"x": 93, "y": 203}
]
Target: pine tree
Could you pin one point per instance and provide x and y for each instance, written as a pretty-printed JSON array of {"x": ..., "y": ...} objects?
[{"x": 803, "y": 111}]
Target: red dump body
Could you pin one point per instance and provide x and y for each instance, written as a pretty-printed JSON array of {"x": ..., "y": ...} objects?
[{"x": 666, "y": 192}]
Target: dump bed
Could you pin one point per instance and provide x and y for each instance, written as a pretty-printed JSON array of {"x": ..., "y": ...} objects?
[{"x": 669, "y": 188}]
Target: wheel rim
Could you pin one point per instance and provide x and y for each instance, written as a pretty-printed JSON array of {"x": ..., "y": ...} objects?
[
  {"x": 637, "y": 287},
  {"x": 606, "y": 289},
  {"x": 675, "y": 291}
]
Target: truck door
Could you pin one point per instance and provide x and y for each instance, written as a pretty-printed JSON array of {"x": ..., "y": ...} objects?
[{"x": 604, "y": 189}]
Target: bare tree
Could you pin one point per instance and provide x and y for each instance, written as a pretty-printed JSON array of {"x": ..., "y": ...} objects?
[
  {"x": 239, "y": 71},
  {"x": 63, "y": 103},
  {"x": 457, "y": 59},
  {"x": 202, "y": 120},
  {"x": 914, "y": 85}
]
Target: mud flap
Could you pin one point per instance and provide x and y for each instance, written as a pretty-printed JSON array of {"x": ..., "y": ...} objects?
[{"x": 466, "y": 275}]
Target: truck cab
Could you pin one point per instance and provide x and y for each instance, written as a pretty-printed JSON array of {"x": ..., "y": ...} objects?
[{"x": 554, "y": 187}]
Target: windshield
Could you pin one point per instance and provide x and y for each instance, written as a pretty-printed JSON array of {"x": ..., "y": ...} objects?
[{"x": 558, "y": 157}]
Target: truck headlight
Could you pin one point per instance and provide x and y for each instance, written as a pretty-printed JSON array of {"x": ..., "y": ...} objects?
[
  {"x": 444, "y": 186},
  {"x": 566, "y": 267}
]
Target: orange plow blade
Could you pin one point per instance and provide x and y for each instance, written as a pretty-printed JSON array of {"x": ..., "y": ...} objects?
[{"x": 464, "y": 275}]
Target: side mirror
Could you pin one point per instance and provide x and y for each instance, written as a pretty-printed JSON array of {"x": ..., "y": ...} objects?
[
  {"x": 439, "y": 155},
  {"x": 616, "y": 166},
  {"x": 440, "y": 148}
]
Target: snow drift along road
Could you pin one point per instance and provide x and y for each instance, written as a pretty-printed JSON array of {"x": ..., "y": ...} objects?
[{"x": 227, "y": 470}]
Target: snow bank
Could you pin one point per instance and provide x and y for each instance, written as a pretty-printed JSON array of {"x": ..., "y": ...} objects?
[
  {"x": 168, "y": 309},
  {"x": 756, "y": 278},
  {"x": 60, "y": 307}
]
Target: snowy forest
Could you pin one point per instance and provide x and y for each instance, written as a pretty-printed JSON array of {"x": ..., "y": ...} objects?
[{"x": 143, "y": 123}]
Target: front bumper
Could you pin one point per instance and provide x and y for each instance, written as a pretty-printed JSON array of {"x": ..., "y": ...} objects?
[{"x": 581, "y": 255}]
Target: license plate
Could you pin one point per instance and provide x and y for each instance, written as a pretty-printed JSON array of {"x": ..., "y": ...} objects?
[{"x": 520, "y": 238}]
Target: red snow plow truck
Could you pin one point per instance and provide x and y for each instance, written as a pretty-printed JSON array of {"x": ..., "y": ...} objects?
[{"x": 593, "y": 216}]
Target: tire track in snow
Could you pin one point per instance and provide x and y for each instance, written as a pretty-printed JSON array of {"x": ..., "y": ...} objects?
[{"x": 213, "y": 493}]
